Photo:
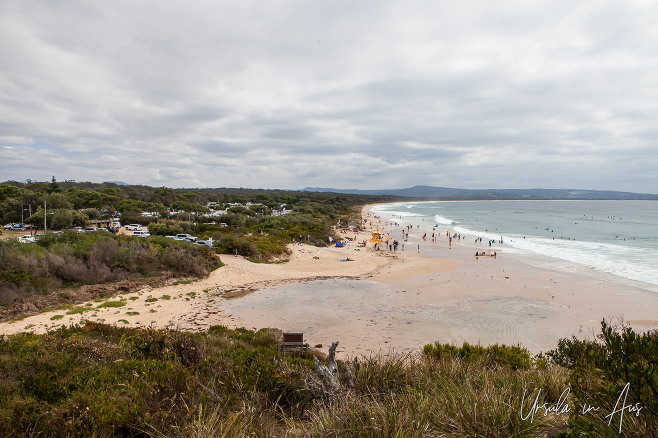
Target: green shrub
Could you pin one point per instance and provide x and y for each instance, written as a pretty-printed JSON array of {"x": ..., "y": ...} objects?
[
  {"x": 111, "y": 304},
  {"x": 70, "y": 259},
  {"x": 166, "y": 228},
  {"x": 79, "y": 310},
  {"x": 122, "y": 381},
  {"x": 515, "y": 357},
  {"x": 599, "y": 372}
]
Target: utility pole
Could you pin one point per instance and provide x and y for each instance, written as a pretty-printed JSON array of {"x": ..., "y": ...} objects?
[
  {"x": 22, "y": 214},
  {"x": 45, "y": 226}
]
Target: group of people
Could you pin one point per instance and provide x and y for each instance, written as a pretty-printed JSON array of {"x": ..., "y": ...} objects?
[{"x": 393, "y": 246}]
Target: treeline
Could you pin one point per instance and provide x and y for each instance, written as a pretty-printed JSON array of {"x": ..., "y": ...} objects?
[
  {"x": 69, "y": 259},
  {"x": 72, "y": 259},
  {"x": 101, "y": 200},
  {"x": 248, "y": 230},
  {"x": 105, "y": 381}
]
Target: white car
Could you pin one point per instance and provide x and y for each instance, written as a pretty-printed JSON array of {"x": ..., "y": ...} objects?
[
  {"x": 140, "y": 233},
  {"x": 134, "y": 227},
  {"x": 26, "y": 239},
  {"x": 186, "y": 237}
]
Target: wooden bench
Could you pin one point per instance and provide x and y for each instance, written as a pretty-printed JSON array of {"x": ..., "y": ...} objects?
[{"x": 292, "y": 343}]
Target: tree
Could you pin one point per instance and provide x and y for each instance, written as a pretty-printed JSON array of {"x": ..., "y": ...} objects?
[
  {"x": 57, "y": 200},
  {"x": 53, "y": 187},
  {"x": 92, "y": 213},
  {"x": 10, "y": 210},
  {"x": 8, "y": 191},
  {"x": 164, "y": 195}
]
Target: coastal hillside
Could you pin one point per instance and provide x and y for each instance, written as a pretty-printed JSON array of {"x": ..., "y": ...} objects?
[
  {"x": 477, "y": 194},
  {"x": 88, "y": 251}
]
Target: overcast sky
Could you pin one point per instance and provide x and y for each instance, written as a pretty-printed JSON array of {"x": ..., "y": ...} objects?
[{"x": 346, "y": 94}]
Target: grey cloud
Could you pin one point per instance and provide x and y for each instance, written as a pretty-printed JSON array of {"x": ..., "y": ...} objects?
[{"x": 367, "y": 94}]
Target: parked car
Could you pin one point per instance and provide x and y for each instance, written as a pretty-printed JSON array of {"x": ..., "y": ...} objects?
[
  {"x": 89, "y": 229},
  {"x": 26, "y": 239},
  {"x": 133, "y": 227},
  {"x": 140, "y": 233},
  {"x": 78, "y": 229},
  {"x": 207, "y": 243},
  {"x": 186, "y": 237}
]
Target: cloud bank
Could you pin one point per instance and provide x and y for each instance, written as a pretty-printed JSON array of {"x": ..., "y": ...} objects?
[{"x": 343, "y": 94}]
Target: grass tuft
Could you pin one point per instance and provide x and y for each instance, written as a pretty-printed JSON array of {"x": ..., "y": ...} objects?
[{"x": 111, "y": 304}]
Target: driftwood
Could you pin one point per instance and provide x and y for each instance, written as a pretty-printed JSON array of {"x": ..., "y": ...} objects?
[
  {"x": 328, "y": 384},
  {"x": 331, "y": 360}
]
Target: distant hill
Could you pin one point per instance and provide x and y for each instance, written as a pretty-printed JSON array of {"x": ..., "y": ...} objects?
[{"x": 483, "y": 194}]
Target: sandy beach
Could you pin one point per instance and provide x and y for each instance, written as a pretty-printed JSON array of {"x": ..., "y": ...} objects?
[{"x": 383, "y": 300}]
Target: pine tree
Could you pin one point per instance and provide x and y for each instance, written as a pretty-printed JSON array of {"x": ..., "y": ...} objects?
[{"x": 53, "y": 186}]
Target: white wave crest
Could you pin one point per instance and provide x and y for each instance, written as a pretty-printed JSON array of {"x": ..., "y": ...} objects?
[{"x": 443, "y": 220}]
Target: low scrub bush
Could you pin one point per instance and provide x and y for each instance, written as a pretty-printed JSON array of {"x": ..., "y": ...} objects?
[
  {"x": 515, "y": 357},
  {"x": 111, "y": 304},
  {"x": 70, "y": 259},
  {"x": 104, "y": 380},
  {"x": 232, "y": 244},
  {"x": 618, "y": 363}
]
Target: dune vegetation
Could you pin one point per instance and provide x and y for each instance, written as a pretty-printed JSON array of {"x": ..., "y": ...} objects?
[
  {"x": 28, "y": 273},
  {"x": 106, "y": 381}
]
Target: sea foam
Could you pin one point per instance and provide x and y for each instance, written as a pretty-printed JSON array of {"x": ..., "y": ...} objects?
[
  {"x": 443, "y": 220},
  {"x": 638, "y": 264}
]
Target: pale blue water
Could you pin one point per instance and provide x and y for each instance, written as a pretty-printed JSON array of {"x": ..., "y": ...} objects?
[{"x": 617, "y": 237}]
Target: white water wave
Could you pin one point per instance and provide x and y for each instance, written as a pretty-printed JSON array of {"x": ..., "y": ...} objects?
[
  {"x": 638, "y": 264},
  {"x": 443, "y": 220}
]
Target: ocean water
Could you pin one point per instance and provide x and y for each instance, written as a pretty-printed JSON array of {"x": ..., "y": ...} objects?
[{"x": 616, "y": 237}]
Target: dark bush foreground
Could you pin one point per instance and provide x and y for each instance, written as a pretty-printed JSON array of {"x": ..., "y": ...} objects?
[
  {"x": 110, "y": 381},
  {"x": 599, "y": 372},
  {"x": 99, "y": 380},
  {"x": 71, "y": 259}
]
